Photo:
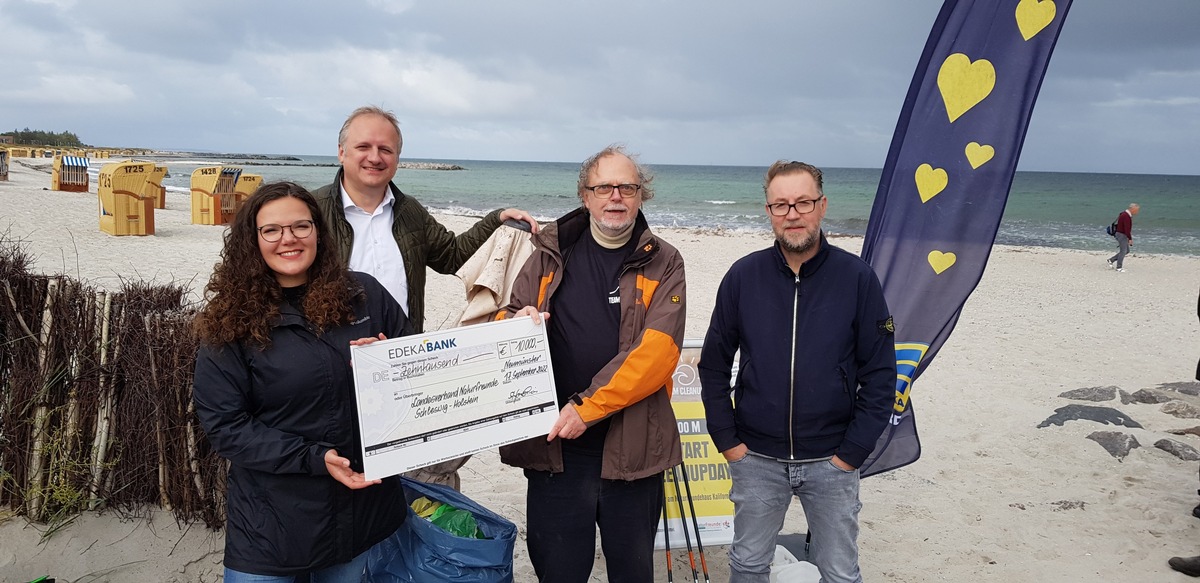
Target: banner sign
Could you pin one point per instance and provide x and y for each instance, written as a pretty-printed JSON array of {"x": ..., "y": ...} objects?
[
  {"x": 708, "y": 474},
  {"x": 946, "y": 180}
]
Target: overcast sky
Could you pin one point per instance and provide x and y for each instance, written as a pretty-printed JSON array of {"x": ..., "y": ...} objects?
[{"x": 687, "y": 82}]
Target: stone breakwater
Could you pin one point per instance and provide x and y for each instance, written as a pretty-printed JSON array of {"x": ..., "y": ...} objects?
[
  {"x": 263, "y": 160},
  {"x": 429, "y": 166}
]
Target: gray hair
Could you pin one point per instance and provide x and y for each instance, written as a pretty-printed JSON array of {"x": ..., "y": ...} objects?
[
  {"x": 645, "y": 177},
  {"x": 782, "y": 167},
  {"x": 369, "y": 110}
]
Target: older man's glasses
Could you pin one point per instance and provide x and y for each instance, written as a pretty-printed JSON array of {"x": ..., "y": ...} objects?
[
  {"x": 273, "y": 233},
  {"x": 781, "y": 209},
  {"x": 606, "y": 190}
]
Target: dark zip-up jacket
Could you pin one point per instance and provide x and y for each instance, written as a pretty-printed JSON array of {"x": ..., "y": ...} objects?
[
  {"x": 423, "y": 241},
  {"x": 634, "y": 389},
  {"x": 274, "y": 414},
  {"x": 817, "y": 371}
]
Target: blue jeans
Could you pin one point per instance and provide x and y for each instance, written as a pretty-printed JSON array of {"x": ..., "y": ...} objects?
[
  {"x": 348, "y": 572},
  {"x": 762, "y": 490}
]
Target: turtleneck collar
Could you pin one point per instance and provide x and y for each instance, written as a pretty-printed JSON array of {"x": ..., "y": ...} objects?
[{"x": 610, "y": 242}]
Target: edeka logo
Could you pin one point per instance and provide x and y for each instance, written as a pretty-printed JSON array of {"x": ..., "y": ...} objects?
[{"x": 422, "y": 347}]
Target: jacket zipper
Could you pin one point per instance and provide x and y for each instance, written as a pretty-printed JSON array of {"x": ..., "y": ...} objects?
[
  {"x": 792, "y": 375},
  {"x": 624, "y": 268},
  {"x": 846, "y": 389}
]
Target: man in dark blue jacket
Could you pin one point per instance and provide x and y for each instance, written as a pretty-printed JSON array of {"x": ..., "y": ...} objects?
[{"x": 816, "y": 380}]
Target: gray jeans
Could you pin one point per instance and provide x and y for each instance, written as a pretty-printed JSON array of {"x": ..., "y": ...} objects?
[
  {"x": 1122, "y": 250},
  {"x": 762, "y": 490}
]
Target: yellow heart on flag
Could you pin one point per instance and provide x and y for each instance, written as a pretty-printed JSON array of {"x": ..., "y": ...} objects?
[
  {"x": 979, "y": 155},
  {"x": 930, "y": 181},
  {"x": 964, "y": 84},
  {"x": 941, "y": 261},
  {"x": 1033, "y": 16}
]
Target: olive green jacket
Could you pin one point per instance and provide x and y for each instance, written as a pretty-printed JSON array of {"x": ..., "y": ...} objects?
[{"x": 423, "y": 241}]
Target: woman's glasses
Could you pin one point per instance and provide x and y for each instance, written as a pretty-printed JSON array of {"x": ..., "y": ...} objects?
[{"x": 273, "y": 233}]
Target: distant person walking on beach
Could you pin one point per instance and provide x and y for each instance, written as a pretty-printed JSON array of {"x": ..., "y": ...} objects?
[
  {"x": 273, "y": 392},
  {"x": 615, "y": 297},
  {"x": 816, "y": 380},
  {"x": 379, "y": 230},
  {"x": 1124, "y": 235}
]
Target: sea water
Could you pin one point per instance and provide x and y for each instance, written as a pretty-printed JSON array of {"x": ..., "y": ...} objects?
[{"x": 1052, "y": 209}]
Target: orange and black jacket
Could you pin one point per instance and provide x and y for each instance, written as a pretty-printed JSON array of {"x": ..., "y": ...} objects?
[{"x": 634, "y": 389}]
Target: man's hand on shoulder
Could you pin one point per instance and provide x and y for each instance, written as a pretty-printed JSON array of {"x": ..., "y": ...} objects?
[{"x": 519, "y": 215}]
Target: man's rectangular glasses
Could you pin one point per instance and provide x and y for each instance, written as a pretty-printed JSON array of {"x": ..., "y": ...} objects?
[
  {"x": 606, "y": 190},
  {"x": 781, "y": 209}
]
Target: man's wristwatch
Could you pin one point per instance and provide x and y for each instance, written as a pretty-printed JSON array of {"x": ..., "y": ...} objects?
[{"x": 576, "y": 398}]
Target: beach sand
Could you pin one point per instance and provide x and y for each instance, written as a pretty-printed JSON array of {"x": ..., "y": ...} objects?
[{"x": 993, "y": 498}]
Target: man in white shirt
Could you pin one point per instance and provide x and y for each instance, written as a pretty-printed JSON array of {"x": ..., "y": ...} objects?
[{"x": 382, "y": 231}]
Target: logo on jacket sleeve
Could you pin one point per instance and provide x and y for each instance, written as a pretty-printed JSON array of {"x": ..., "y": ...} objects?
[
  {"x": 676, "y": 299},
  {"x": 886, "y": 326}
]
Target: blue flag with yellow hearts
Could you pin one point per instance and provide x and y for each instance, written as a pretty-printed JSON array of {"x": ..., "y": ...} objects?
[{"x": 947, "y": 177}]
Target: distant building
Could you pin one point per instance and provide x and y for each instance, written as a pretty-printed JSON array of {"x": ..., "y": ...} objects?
[{"x": 6, "y": 139}]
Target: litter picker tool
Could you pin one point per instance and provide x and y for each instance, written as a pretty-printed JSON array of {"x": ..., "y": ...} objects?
[
  {"x": 695, "y": 523},
  {"x": 687, "y": 538},
  {"x": 667, "y": 537}
]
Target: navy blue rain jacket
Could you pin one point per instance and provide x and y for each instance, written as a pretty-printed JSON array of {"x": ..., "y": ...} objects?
[
  {"x": 273, "y": 414},
  {"x": 817, "y": 371}
]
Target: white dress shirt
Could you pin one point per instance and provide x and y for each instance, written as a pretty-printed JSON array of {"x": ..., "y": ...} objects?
[{"x": 375, "y": 250}]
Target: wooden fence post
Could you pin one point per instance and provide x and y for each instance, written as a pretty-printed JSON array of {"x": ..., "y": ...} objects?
[{"x": 35, "y": 486}]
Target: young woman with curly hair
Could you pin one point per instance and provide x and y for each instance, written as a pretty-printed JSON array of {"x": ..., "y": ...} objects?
[{"x": 274, "y": 393}]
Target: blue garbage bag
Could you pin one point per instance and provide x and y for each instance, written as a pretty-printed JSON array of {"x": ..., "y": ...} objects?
[{"x": 421, "y": 552}]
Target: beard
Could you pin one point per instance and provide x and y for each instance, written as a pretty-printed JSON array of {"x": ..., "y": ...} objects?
[
  {"x": 798, "y": 244},
  {"x": 612, "y": 226}
]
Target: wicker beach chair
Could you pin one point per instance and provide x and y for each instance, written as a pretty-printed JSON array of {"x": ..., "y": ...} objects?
[{"x": 124, "y": 210}]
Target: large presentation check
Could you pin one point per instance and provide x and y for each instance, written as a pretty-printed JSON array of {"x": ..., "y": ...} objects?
[{"x": 437, "y": 396}]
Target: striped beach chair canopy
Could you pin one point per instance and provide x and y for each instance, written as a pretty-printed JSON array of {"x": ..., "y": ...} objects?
[{"x": 74, "y": 161}]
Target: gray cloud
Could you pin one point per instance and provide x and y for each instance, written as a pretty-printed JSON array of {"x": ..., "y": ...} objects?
[{"x": 699, "y": 82}]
